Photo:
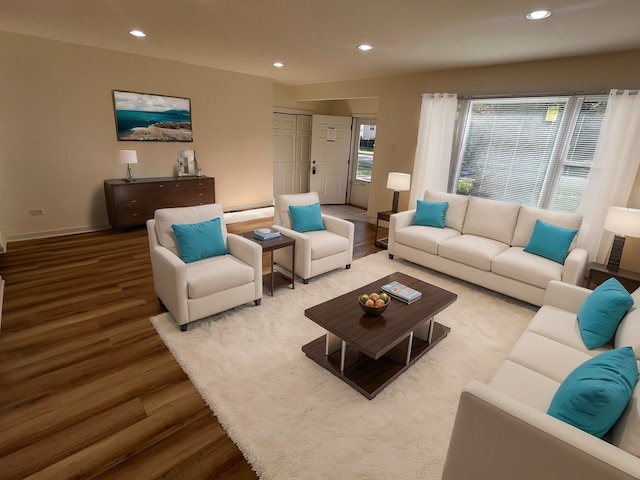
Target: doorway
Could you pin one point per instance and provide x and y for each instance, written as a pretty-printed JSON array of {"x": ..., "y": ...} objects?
[{"x": 363, "y": 140}]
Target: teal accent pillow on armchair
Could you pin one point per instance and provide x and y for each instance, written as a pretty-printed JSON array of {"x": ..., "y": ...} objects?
[
  {"x": 199, "y": 240},
  {"x": 306, "y": 218}
]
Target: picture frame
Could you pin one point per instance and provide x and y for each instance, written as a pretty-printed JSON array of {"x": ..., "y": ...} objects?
[
  {"x": 186, "y": 164},
  {"x": 152, "y": 118}
]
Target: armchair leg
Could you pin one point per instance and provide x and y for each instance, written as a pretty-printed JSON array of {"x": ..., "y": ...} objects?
[
  {"x": 391, "y": 256},
  {"x": 348, "y": 266},
  {"x": 305, "y": 281},
  {"x": 183, "y": 328},
  {"x": 257, "y": 302}
]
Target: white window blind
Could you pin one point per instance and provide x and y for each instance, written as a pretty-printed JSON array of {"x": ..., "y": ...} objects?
[{"x": 532, "y": 151}]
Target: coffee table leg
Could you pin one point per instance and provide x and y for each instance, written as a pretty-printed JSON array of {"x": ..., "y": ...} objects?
[
  {"x": 333, "y": 344},
  {"x": 425, "y": 331},
  {"x": 343, "y": 354}
]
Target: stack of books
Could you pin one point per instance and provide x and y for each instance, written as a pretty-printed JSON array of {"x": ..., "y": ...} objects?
[
  {"x": 266, "y": 233},
  {"x": 402, "y": 292}
]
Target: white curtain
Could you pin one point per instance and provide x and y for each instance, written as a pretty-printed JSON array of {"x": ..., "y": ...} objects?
[
  {"x": 435, "y": 139},
  {"x": 613, "y": 171}
]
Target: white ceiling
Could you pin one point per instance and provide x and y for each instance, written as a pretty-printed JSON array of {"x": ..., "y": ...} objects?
[{"x": 316, "y": 39}]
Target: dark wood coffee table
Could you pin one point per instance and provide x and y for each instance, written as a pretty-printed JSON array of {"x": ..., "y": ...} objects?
[{"x": 368, "y": 352}]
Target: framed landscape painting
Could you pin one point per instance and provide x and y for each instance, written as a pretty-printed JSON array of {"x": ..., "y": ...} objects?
[{"x": 152, "y": 118}]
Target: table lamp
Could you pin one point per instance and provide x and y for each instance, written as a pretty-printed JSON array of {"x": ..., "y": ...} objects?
[
  {"x": 623, "y": 222},
  {"x": 129, "y": 157},
  {"x": 398, "y": 182}
]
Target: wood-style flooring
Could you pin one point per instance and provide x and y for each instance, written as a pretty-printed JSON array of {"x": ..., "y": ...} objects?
[{"x": 87, "y": 387}]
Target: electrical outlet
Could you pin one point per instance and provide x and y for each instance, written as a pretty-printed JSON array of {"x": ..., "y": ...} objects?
[{"x": 37, "y": 211}]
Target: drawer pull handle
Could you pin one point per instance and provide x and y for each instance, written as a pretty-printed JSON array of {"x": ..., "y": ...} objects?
[
  {"x": 161, "y": 186},
  {"x": 134, "y": 201},
  {"x": 135, "y": 214}
]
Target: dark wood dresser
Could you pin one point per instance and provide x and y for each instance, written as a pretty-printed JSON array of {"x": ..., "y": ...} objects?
[{"x": 131, "y": 204}]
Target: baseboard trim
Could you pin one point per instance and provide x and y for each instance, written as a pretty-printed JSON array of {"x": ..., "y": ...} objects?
[{"x": 57, "y": 232}]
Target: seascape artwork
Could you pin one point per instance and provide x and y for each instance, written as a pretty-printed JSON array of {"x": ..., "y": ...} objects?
[{"x": 145, "y": 117}]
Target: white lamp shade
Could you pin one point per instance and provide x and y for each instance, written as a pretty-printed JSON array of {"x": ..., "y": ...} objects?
[
  {"x": 398, "y": 182},
  {"x": 128, "y": 156},
  {"x": 623, "y": 221}
]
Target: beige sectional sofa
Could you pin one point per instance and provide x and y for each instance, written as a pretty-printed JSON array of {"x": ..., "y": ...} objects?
[
  {"x": 502, "y": 430},
  {"x": 483, "y": 242}
]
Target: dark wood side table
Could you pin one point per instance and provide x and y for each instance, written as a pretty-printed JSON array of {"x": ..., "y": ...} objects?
[
  {"x": 599, "y": 272},
  {"x": 276, "y": 279},
  {"x": 385, "y": 217}
]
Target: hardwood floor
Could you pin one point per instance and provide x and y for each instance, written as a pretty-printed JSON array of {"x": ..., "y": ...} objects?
[{"x": 87, "y": 388}]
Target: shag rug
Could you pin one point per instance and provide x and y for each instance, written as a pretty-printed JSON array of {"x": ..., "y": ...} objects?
[{"x": 294, "y": 420}]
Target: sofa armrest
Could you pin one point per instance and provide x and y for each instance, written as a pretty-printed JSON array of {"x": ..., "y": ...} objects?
[
  {"x": 565, "y": 296},
  {"x": 499, "y": 438},
  {"x": 396, "y": 222},
  {"x": 574, "y": 266}
]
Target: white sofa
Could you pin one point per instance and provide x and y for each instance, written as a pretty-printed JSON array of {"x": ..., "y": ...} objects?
[
  {"x": 502, "y": 430},
  {"x": 483, "y": 243}
]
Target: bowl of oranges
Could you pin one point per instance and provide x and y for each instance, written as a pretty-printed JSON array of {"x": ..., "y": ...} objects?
[{"x": 374, "y": 303}]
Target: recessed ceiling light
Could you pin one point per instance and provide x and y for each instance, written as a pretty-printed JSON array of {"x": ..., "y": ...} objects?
[
  {"x": 365, "y": 47},
  {"x": 538, "y": 15},
  {"x": 278, "y": 64},
  {"x": 137, "y": 33}
]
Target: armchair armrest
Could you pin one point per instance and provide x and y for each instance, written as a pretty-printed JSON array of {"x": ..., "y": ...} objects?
[
  {"x": 574, "y": 266},
  {"x": 170, "y": 281},
  {"x": 246, "y": 250},
  {"x": 497, "y": 437},
  {"x": 337, "y": 225},
  {"x": 565, "y": 296},
  {"x": 396, "y": 222}
]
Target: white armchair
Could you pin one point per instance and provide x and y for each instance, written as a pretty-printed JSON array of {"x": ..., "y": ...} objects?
[
  {"x": 194, "y": 290},
  {"x": 317, "y": 251}
]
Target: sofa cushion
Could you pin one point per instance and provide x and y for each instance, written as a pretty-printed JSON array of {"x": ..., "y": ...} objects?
[
  {"x": 430, "y": 214},
  {"x": 602, "y": 311},
  {"x": 527, "y": 220},
  {"x": 472, "y": 250},
  {"x": 217, "y": 274},
  {"x": 199, "y": 240},
  {"x": 550, "y": 241},
  {"x": 325, "y": 243},
  {"x": 595, "y": 394},
  {"x": 525, "y": 267},
  {"x": 427, "y": 239},
  {"x": 628, "y": 332},
  {"x": 491, "y": 219},
  {"x": 456, "y": 211},
  {"x": 625, "y": 434},
  {"x": 306, "y": 218},
  {"x": 562, "y": 326}
]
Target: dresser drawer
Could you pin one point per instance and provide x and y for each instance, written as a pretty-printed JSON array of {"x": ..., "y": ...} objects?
[
  {"x": 201, "y": 191},
  {"x": 133, "y": 194},
  {"x": 170, "y": 194},
  {"x": 130, "y": 216}
]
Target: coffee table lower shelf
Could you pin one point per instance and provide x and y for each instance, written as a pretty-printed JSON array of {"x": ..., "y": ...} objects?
[{"x": 367, "y": 375}]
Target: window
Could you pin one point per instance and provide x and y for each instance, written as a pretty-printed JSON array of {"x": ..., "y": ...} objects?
[
  {"x": 366, "y": 144},
  {"x": 533, "y": 151}
]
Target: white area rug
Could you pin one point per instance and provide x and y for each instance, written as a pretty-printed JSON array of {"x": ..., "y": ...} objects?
[{"x": 294, "y": 420}]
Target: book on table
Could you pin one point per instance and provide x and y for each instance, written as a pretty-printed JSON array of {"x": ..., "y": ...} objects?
[
  {"x": 266, "y": 233},
  {"x": 402, "y": 292}
]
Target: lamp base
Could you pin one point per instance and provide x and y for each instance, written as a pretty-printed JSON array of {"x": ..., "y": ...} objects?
[
  {"x": 616, "y": 253},
  {"x": 130, "y": 177},
  {"x": 396, "y": 197}
]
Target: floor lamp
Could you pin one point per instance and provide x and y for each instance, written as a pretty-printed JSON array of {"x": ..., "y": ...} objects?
[
  {"x": 623, "y": 222},
  {"x": 398, "y": 182}
]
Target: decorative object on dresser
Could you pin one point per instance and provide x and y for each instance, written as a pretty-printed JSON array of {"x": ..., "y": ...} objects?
[
  {"x": 398, "y": 182},
  {"x": 129, "y": 157},
  {"x": 132, "y": 204},
  {"x": 622, "y": 222},
  {"x": 186, "y": 164}
]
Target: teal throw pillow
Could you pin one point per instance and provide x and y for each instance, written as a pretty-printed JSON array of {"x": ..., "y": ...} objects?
[
  {"x": 595, "y": 394},
  {"x": 306, "y": 218},
  {"x": 430, "y": 214},
  {"x": 550, "y": 241},
  {"x": 602, "y": 312},
  {"x": 199, "y": 240}
]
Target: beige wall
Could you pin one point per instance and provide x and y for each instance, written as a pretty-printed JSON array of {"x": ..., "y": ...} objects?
[
  {"x": 58, "y": 140},
  {"x": 398, "y": 109}
]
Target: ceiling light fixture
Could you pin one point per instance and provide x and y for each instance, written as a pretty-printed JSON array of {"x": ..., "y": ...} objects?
[
  {"x": 365, "y": 47},
  {"x": 137, "y": 33},
  {"x": 278, "y": 64},
  {"x": 538, "y": 15}
]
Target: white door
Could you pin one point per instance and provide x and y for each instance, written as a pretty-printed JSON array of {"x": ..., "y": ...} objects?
[
  {"x": 303, "y": 153},
  {"x": 330, "y": 147},
  {"x": 284, "y": 153}
]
